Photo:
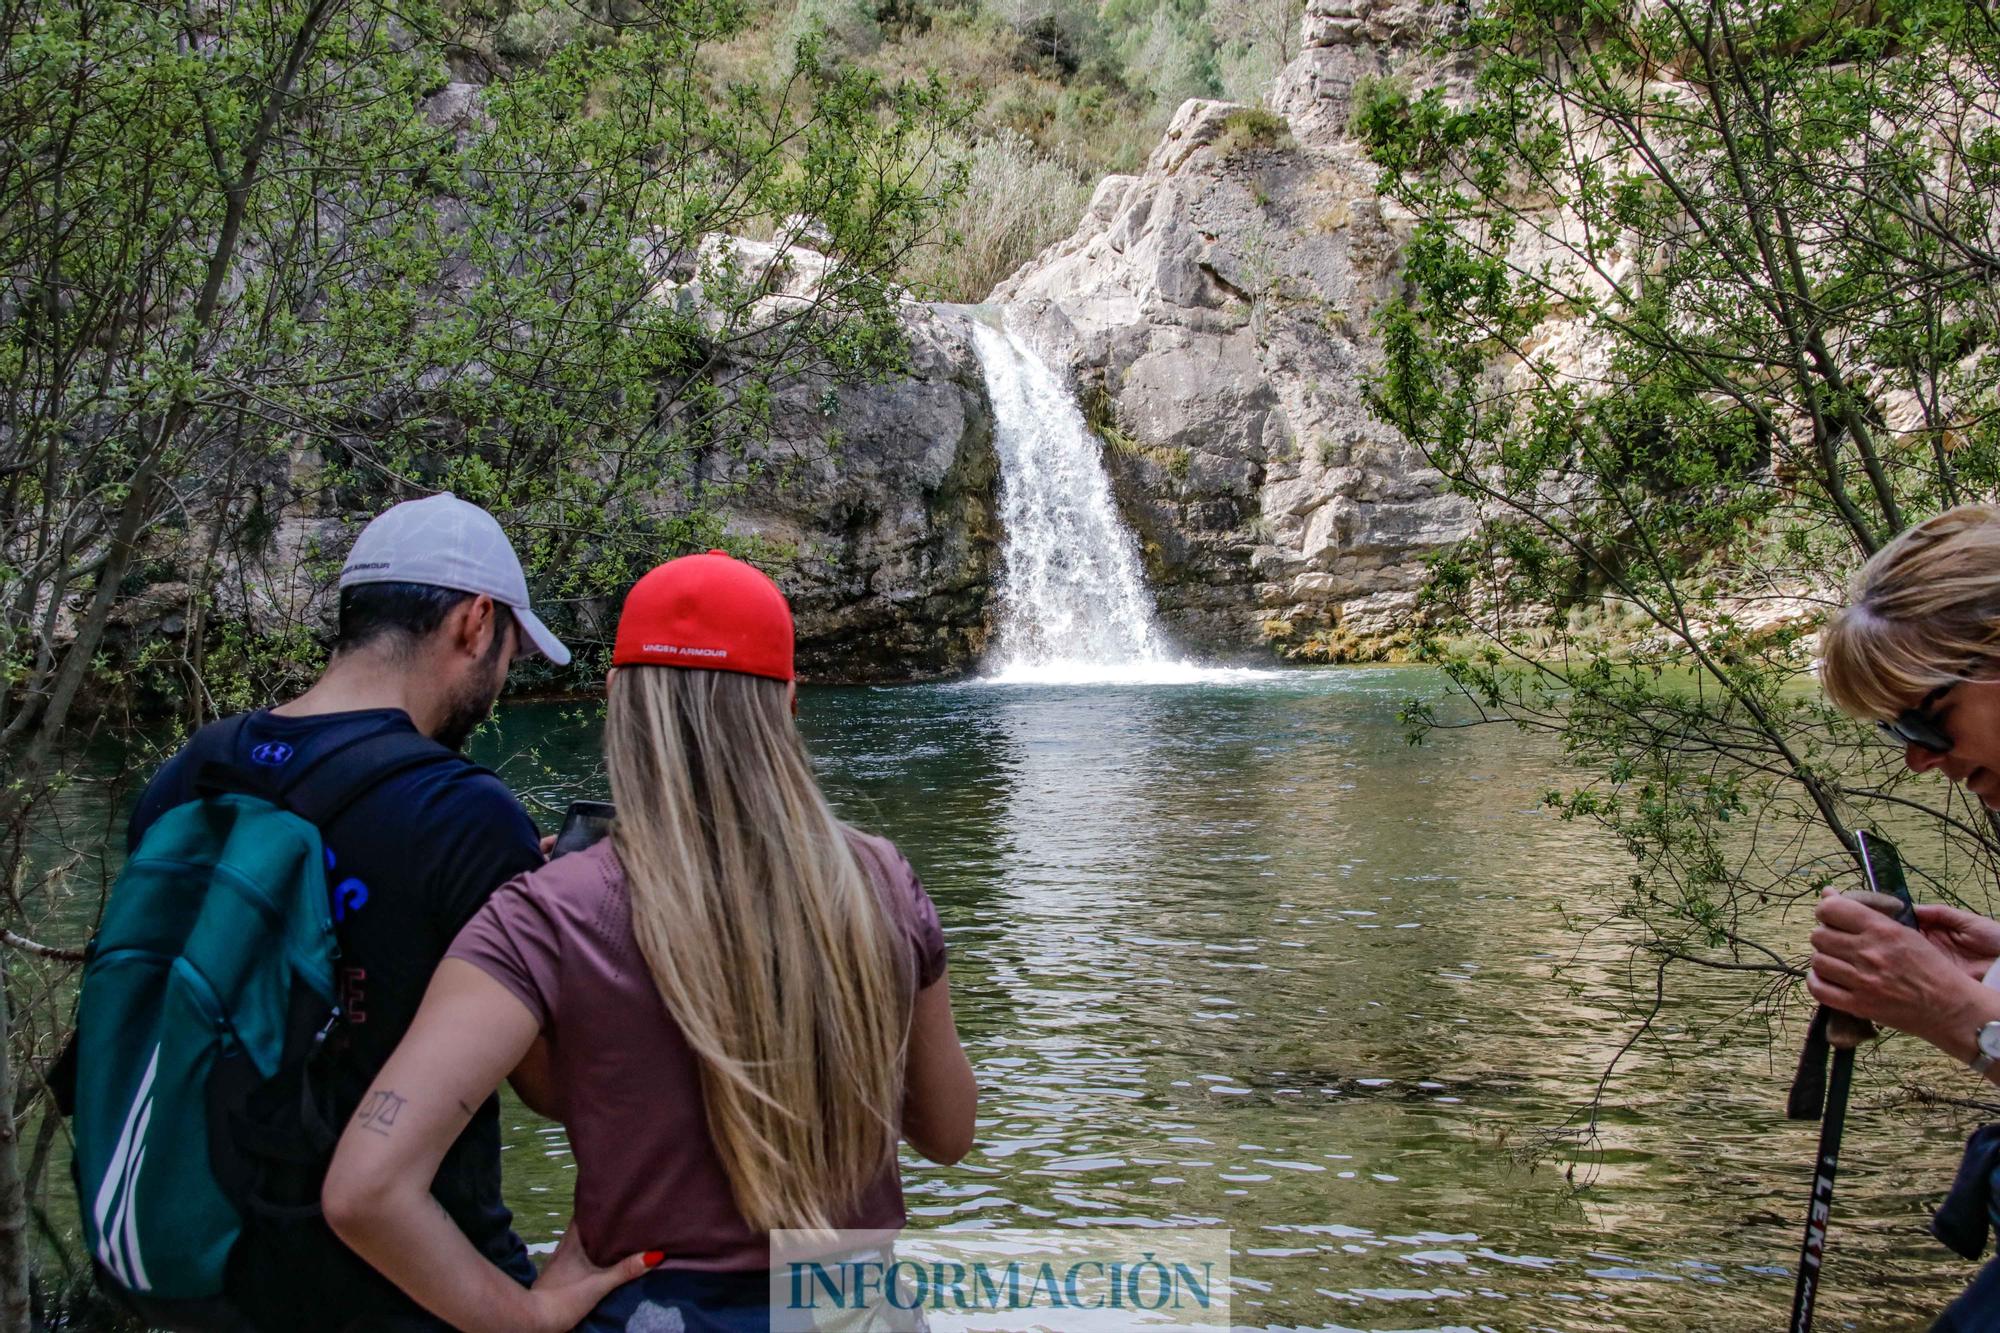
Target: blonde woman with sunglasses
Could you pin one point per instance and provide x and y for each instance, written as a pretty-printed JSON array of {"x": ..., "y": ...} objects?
[
  {"x": 736, "y": 1004},
  {"x": 1917, "y": 650}
]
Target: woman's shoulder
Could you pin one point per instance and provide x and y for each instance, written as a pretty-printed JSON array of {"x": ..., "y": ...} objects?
[
  {"x": 881, "y": 858},
  {"x": 531, "y": 929},
  {"x": 910, "y": 905},
  {"x": 572, "y": 885}
]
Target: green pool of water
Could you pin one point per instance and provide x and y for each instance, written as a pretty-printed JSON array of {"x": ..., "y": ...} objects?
[{"x": 1238, "y": 956}]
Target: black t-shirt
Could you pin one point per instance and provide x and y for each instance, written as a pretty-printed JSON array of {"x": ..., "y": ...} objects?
[{"x": 409, "y": 863}]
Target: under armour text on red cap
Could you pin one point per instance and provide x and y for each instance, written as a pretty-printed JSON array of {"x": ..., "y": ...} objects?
[{"x": 712, "y": 612}]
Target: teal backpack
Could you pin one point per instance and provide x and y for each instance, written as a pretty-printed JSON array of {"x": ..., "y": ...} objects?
[{"x": 207, "y": 997}]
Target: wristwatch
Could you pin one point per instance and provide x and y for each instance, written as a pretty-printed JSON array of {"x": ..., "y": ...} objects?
[{"x": 1986, "y": 1042}]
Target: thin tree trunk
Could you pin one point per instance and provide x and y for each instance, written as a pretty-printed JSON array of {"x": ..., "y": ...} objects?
[{"x": 14, "y": 1293}]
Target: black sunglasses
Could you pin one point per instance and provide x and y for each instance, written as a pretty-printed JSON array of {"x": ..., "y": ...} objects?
[{"x": 1919, "y": 726}]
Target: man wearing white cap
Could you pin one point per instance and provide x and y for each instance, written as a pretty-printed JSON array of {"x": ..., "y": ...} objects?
[{"x": 433, "y": 610}]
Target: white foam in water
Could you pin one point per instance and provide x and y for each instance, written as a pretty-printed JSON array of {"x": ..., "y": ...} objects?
[
  {"x": 1122, "y": 673},
  {"x": 1073, "y": 607}
]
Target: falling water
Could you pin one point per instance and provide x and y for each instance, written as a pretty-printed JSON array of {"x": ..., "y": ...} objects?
[
  {"x": 1071, "y": 598},
  {"x": 1074, "y": 608}
]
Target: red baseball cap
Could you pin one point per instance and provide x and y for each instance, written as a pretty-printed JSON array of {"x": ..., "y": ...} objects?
[{"x": 713, "y": 612}]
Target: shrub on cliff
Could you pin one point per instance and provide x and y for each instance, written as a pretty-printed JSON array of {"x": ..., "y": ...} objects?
[
  {"x": 1016, "y": 202},
  {"x": 1700, "y": 310},
  {"x": 1251, "y": 130}
]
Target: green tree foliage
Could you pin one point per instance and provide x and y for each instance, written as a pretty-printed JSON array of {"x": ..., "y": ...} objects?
[
  {"x": 1699, "y": 310},
  {"x": 268, "y": 258},
  {"x": 272, "y": 263},
  {"x": 1255, "y": 40},
  {"x": 1169, "y": 48}
]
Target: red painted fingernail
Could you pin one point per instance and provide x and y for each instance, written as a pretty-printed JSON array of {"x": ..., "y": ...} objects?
[{"x": 653, "y": 1257}]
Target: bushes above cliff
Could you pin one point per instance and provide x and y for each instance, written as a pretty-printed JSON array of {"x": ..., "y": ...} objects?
[
  {"x": 1016, "y": 202},
  {"x": 1065, "y": 92}
]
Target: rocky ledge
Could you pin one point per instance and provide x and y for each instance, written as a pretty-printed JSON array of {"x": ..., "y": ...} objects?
[{"x": 878, "y": 514}]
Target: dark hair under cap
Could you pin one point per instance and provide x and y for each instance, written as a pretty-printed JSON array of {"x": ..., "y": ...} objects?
[{"x": 404, "y": 612}]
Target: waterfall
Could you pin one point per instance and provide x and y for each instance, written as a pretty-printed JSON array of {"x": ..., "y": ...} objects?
[{"x": 1073, "y": 605}]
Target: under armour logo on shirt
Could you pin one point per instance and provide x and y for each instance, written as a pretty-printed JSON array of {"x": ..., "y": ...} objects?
[{"x": 271, "y": 752}]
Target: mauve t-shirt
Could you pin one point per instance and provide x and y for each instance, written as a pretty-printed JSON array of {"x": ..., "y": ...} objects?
[{"x": 626, "y": 1085}]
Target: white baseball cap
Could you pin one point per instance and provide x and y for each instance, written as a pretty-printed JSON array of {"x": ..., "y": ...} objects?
[{"x": 446, "y": 542}]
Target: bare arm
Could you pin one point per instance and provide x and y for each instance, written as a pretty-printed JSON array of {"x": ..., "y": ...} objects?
[
  {"x": 469, "y": 1033},
  {"x": 533, "y": 1080},
  {"x": 940, "y": 1097}
]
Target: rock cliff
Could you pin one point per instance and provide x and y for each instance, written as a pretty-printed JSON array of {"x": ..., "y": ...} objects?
[
  {"x": 888, "y": 536},
  {"x": 878, "y": 514},
  {"x": 1214, "y": 311}
]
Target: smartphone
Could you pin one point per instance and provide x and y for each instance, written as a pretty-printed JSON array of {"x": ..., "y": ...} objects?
[{"x": 586, "y": 822}]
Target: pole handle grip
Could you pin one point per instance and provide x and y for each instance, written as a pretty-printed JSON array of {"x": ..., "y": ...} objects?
[{"x": 1844, "y": 1032}]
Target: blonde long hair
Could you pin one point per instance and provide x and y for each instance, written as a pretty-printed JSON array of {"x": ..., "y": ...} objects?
[
  {"x": 768, "y": 941},
  {"x": 1923, "y": 612}
]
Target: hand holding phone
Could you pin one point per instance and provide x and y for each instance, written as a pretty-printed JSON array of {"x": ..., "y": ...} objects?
[{"x": 586, "y": 822}]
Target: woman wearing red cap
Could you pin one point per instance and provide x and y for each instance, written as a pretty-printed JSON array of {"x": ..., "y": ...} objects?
[{"x": 736, "y": 1004}]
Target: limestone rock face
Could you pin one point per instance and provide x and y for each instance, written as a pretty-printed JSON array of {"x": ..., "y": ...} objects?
[
  {"x": 887, "y": 539},
  {"x": 1214, "y": 311},
  {"x": 1343, "y": 42}
]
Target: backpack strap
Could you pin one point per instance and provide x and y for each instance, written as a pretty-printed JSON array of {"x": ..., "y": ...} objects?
[
  {"x": 205, "y": 749},
  {"x": 320, "y": 791},
  {"x": 211, "y": 752},
  {"x": 337, "y": 779}
]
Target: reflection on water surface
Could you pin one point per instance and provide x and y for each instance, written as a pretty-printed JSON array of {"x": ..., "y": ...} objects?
[{"x": 1239, "y": 956}]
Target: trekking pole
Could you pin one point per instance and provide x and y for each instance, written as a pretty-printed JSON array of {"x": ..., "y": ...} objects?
[{"x": 1812, "y": 1088}]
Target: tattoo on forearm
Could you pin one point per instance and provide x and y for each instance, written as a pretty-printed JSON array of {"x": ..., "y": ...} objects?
[{"x": 379, "y": 1111}]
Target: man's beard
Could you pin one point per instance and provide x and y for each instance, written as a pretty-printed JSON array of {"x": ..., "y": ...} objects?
[{"x": 468, "y": 709}]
